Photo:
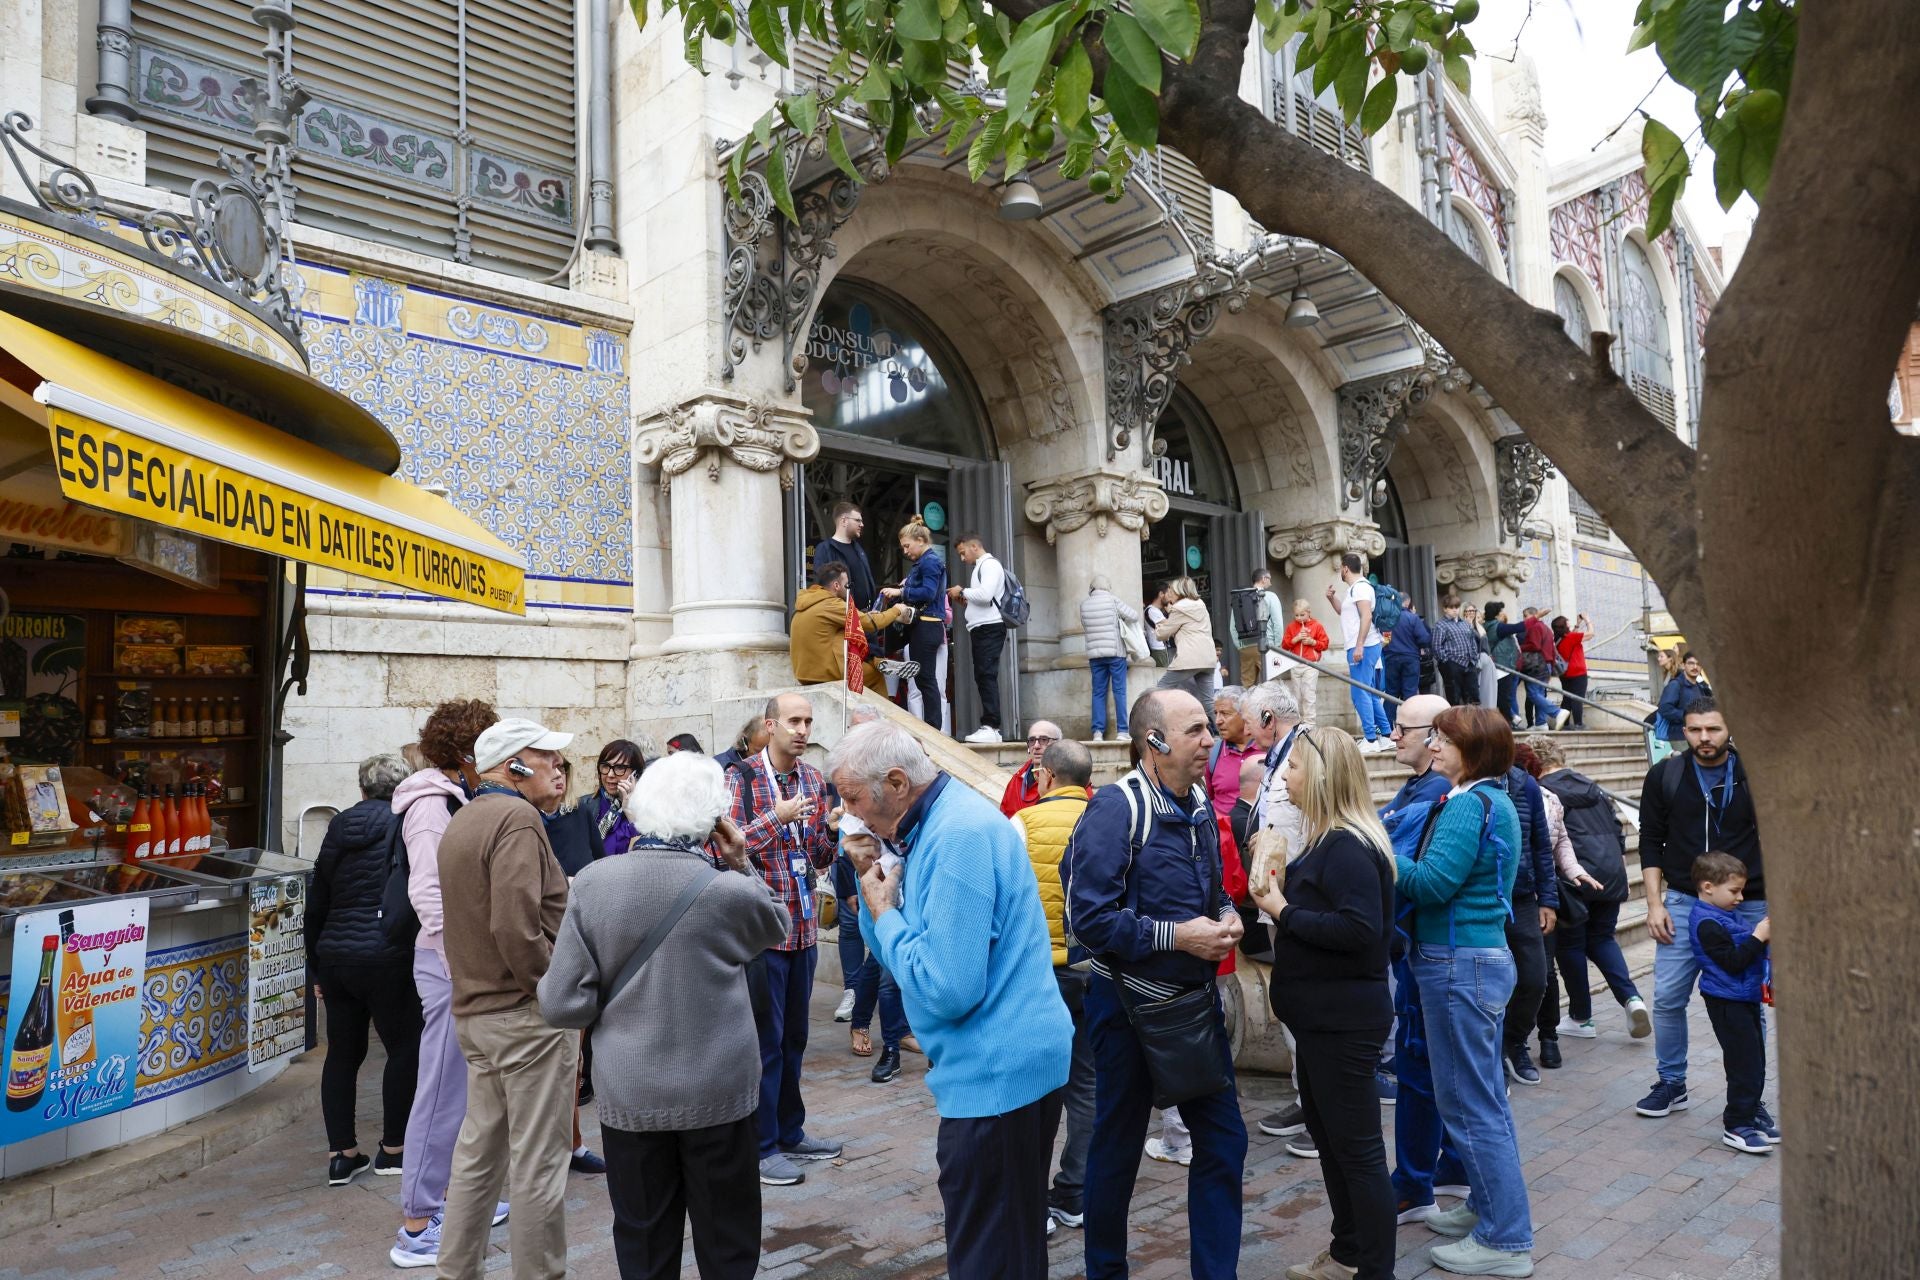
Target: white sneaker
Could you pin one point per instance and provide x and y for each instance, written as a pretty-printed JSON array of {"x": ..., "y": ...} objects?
[
  {"x": 1456, "y": 1190},
  {"x": 985, "y": 734},
  {"x": 1579, "y": 1030},
  {"x": 1637, "y": 1015},
  {"x": 1560, "y": 720},
  {"x": 843, "y": 1012},
  {"x": 1157, "y": 1150}
]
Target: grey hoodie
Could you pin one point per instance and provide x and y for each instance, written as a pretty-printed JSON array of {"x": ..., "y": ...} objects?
[{"x": 421, "y": 826}]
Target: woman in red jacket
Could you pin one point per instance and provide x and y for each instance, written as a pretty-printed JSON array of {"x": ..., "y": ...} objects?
[
  {"x": 1306, "y": 640},
  {"x": 1572, "y": 645}
]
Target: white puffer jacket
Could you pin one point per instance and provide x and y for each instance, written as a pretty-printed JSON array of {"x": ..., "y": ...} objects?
[{"x": 1101, "y": 614}]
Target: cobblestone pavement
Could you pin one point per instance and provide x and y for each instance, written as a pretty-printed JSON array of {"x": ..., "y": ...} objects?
[{"x": 1613, "y": 1195}]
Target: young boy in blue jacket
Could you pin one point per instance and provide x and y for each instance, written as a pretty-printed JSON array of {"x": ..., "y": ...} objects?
[{"x": 1731, "y": 955}]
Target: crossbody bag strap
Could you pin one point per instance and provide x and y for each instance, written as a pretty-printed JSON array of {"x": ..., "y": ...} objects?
[{"x": 659, "y": 935}]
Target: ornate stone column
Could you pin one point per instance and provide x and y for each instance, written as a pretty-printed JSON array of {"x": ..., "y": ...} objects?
[
  {"x": 1484, "y": 572},
  {"x": 723, "y": 461},
  {"x": 1310, "y": 554},
  {"x": 1096, "y": 523}
]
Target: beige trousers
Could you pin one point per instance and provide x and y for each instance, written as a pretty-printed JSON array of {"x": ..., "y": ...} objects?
[
  {"x": 1305, "y": 684},
  {"x": 520, "y": 1082}
]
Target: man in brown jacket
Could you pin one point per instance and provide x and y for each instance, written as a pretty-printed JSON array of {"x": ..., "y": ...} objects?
[
  {"x": 503, "y": 895},
  {"x": 818, "y": 637}
]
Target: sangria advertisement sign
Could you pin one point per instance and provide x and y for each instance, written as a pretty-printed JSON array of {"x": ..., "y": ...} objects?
[{"x": 73, "y": 1015}]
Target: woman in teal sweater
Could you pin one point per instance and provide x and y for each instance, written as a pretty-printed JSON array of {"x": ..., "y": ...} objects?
[{"x": 1460, "y": 883}]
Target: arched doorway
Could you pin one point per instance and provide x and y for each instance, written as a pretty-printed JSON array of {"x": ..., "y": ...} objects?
[{"x": 903, "y": 430}]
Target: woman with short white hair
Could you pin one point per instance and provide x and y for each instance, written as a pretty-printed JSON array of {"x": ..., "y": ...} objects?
[{"x": 653, "y": 955}]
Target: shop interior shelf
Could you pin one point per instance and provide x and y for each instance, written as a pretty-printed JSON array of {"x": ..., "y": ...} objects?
[{"x": 188, "y": 739}]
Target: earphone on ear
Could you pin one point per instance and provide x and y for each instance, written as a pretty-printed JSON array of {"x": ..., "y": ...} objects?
[
  {"x": 1158, "y": 742},
  {"x": 518, "y": 770},
  {"x": 1266, "y": 718}
]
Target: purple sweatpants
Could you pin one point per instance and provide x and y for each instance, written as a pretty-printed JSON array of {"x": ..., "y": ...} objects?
[{"x": 440, "y": 1097}]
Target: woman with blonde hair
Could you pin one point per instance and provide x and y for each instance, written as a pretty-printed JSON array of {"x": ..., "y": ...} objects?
[
  {"x": 925, "y": 592},
  {"x": 1189, "y": 634},
  {"x": 1333, "y": 918}
]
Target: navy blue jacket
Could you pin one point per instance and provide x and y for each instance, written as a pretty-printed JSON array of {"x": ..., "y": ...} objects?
[
  {"x": 1410, "y": 637},
  {"x": 1431, "y": 787},
  {"x": 1537, "y": 874},
  {"x": 1123, "y": 905},
  {"x": 860, "y": 583},
  {"x": 343, "y": 899},
  {"x": 1680, "y": 694},
  {"x": 926, "y": 585},
  {"x": 1728, "y": 953}
]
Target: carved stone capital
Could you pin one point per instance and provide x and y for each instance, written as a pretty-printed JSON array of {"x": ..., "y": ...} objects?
[
  {"x": 1302, "y": 546},
  {"x": 717, "y": 428},
  {"x": 1472, "y": 570},
  {"x": 1133, "y": 500}
]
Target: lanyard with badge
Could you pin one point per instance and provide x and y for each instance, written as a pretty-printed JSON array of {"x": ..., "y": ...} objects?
[
  {"x": 1279, "y": 762},
  {"x": 1716, "y": 815},
  {"x": 797, "y": 863}
]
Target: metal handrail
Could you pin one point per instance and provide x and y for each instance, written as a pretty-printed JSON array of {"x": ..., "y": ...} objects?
[{"x": 1583, "y": 701}]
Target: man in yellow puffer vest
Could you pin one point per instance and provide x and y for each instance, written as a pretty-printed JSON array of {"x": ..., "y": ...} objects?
[{"x": 1066, "y": 784}]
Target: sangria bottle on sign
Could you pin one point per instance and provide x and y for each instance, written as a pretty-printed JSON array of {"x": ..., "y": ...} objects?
[
  {"x": 73, "y": 1017},
  {"x": 32, "y": 1057}
]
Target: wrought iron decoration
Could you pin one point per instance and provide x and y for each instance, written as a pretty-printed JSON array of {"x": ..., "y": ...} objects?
[
  {"x": 1521, "y": 472},
  {"x": 1375, "y": 416},
  {"x": 1148, "y": 341}
]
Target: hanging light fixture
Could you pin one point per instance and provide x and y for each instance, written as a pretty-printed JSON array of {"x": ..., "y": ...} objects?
[
  {"x": 1019, "y": 202},
  {"x": 1301, "y": 313}
]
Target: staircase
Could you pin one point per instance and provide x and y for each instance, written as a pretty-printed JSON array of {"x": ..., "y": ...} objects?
[{"x": 1614, "y": 758}]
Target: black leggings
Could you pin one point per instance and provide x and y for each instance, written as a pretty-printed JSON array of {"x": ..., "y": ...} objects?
[
  {"x": 355, "y": 995},
  {"x": 1462, "y": 684},
  {"x": 923, "y": 646},
  {"x": 1529, "y": 968},
  {"x": 1577, "y": 686},
  {"x": 1340, "y": 1102}
]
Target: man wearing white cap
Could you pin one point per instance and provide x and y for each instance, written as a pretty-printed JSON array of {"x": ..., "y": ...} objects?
[{"x": 503, "y": 895}]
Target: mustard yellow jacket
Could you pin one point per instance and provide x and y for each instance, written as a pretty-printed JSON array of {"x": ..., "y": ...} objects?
[
  {"x": 817, "y": 642},
  {"x": 1045, "y": 825}
]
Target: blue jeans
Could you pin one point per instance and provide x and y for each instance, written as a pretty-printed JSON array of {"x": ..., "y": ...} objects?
[
  {"x": 1675, "y": 971},
  {"x": 1402, "y": 677},
  {"x": 1123, "y": 1100},
  {"x": 1539, "y": 709},
  {"x": 1374, "y": 720},
  {"x": 1424, "y": 1153},
  {"x": 783, "y": 1043},
  {"x": 1596, "y": 943},
  {"x": 877, "y": 987},
  {"x": 1108, "y": 674},
  {"x": 1463, "y": 1001}
]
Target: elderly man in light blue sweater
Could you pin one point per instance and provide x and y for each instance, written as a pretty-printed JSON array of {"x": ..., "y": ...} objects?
[{"x": 957, "y": 922}]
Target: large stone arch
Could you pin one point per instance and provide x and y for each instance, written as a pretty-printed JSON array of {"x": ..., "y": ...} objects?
[{"x": 1444, "y": 473}]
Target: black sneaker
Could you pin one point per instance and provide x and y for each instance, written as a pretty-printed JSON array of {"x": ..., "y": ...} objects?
[
  {"x": 1550, "y": 1054},
  {"x": 887, "y": 1066},
  {"x": 387, "y": 1163},
  {"x": 1520, "y": 1066},
  {"x": 1302, "y": 1145},
  {"x": 344, "y": 1169},
  {"x": 1068, "y": 1215},
  {"x": 1284, "y": 1123},
  {"x": 586, "y": 1162},
  {"x": 1667, "y": 1097}
]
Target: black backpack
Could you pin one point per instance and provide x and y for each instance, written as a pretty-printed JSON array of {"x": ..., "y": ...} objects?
[
  {"x": 1247, "y": 623},
  {"x": 397, "y": 916}
]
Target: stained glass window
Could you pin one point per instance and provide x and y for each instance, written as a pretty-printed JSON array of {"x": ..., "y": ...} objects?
[{"x": 1649, "y": 352}]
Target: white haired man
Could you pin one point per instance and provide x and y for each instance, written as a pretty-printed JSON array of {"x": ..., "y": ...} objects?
[
  {"x": 958, "y": 924},
  {"x": 502, "y": 894},
  {"x": 780, "y": 806}
]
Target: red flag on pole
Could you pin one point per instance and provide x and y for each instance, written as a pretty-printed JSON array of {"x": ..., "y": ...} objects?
[{"x": 856, "y": 650}]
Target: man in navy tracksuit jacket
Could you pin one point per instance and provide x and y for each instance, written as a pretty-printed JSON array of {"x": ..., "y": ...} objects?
[{"x": 1144, "y": 898}]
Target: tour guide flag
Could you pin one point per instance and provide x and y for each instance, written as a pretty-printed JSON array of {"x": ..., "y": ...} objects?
[
  {"x": 856, "y": 649},
  {"x": 73, "y": 1015}
]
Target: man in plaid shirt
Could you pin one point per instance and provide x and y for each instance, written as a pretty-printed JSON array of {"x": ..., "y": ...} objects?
[{"x": 781, "y": 805}]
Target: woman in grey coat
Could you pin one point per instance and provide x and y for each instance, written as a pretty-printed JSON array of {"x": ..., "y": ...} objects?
[
  {"x": 676, "y": 1060},
  {"x": 1102, "y": 615}
]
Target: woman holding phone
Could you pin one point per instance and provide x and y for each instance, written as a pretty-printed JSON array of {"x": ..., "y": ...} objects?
[
  {"x": 1332, "y": 909},
  {"x": 925, "y": 591}
]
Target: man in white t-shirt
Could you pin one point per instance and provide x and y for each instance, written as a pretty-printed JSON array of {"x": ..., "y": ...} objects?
[
  {"x": 986, "y": 629},
  {"x": 1361, "y": 641}
]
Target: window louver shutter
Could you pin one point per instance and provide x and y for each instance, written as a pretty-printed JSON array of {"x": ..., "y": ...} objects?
[
  {"x": 380, "y": 152},
  {"x": 1195, "y": 194}
]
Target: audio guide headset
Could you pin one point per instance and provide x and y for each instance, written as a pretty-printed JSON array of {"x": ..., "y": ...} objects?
[
  {"x": 517, "y": 769},
  {"x": 1158, "y": 742}
]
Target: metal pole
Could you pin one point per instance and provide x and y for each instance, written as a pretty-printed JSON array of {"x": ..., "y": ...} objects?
[
  {"x": 1585, "y": 702},
  {"x": 113, "y": 92},
  {"x": 600, "y": 235}
]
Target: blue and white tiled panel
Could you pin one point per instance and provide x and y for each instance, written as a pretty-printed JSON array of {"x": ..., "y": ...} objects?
[
  {"x": 1541, "y": 590},
  {"x": 1609, "y": 590},
  {"x": 522, "y": 417}
]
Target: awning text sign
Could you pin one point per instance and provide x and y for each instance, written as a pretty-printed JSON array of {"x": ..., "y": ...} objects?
[{"x": 116, "y": 470}]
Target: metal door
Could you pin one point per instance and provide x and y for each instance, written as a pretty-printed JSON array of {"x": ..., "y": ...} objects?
[
  {"x": 981, "y": 497},
  {"x": 1411, "y": 570},
  {"x": 1239, "y": 541}
]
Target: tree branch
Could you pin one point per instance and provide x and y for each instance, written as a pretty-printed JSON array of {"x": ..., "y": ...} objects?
[{"x": 1637, "y": 473}]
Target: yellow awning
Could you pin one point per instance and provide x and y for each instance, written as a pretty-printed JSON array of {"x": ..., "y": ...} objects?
[{"x": 128, "y": 442}]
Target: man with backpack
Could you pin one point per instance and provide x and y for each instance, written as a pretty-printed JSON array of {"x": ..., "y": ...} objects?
[
  {"x": 987, "y": 627},
  {"x": 1692, "y": 803},
  {"x": 1257, "y": 625}
]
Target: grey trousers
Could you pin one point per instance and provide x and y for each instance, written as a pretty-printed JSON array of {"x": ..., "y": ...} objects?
[{"x": 1078, "y": 1098}]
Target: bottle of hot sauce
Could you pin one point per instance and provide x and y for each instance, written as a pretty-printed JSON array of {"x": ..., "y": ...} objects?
[
  {"x": 140, "y": 828},
  {"x": 166, "y": 831}
]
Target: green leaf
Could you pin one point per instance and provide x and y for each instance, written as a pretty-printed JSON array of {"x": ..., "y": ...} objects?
[
  {"x": 1729, "y": 148},
  {"x": 925, "y": 62},
  {"x": 899, "y": 132},
  {"x": 985, "y": 144},
  {"x": 837, "y": 151},
  {"x": 763, "y": 131},
  {"x": 1016, "y": 155},
  {"x": 1134, "y": 51},
  {"x": 1322, "y": 25},
  {"x": 1073, "y": 84},
  {"x": 1662, "y": 153},
  {"x": 802, "y": 111},
  {"x": 917, "y": 20},
  {"x": 1771, "y": 66},
  {"x": 1173, "y": 24},
  {"x": 1380, "y": 103},
  {"x": 640, "y": 8},
  {"x": 1284, "y": 28},
  {"x": 1400, "y": 29},
  {"x": 1642, "y": 37},
  {"x": 1028, "y": 56},
  {"x": 874, "y": 86},
  {"x": 1350, "y": 86},
  {"x": 948, "y": 8},
  {"x": 763, "y": 21},
  {"x": 1756, "y": 159},
  {"x": 1078, "y": 159},
  {"x": 777, "y": 184},
  {"x": 1660, "y": 209},
  {"x": 1458, "y": 72},
  {"x": 1135, "y": 112},
  {"x": 1689, "y": 34},
  {"x": 736, "y": 169}
]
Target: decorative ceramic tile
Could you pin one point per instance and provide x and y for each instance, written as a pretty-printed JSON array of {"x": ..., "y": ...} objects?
[
  {"x": 1608, "y": 588},
  {"x": 193, "y": 1017},
  {"x": 522, "y": 417}
]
